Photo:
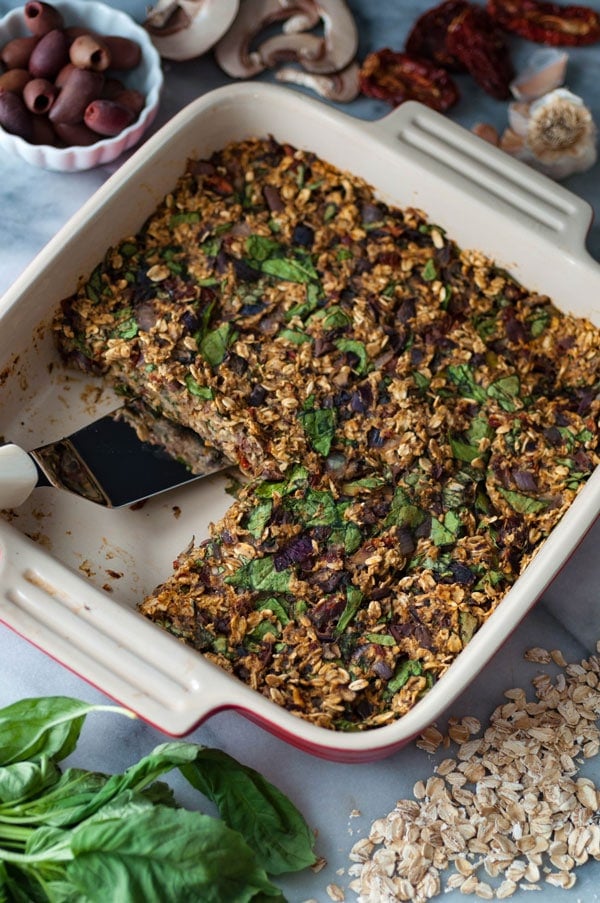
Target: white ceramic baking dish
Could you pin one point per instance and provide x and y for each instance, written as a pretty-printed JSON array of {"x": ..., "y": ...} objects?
[{"x": 72, "y": 587}]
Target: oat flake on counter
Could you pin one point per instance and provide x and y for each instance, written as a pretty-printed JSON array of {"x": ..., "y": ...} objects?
[{"x": 506, "y": 809}]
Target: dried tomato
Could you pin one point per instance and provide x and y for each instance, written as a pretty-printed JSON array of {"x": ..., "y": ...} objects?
[
  {"x": 547, "y": 23},
  {"x": 475, "y": 39},
  {"x": 396, "y": 77},
  {"x": 427, "y": 37}
]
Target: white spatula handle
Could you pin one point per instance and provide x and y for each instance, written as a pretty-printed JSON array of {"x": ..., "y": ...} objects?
[{"x": 18, "y": 476}]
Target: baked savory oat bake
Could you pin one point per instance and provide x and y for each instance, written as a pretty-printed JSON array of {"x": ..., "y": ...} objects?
[{"x": 413, "y": 423}]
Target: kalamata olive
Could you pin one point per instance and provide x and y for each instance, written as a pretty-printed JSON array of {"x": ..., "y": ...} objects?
[
  {"x": 43, "y": 133},
  {"x": 14, "y": 115},
  {"x": 273, "y": 198},
  {"x": 14, "y": 80},
  {"x": 132, "y": 100},
  {"x": 90, "y": 52},
  {"x": 40, "y": 18},
  {"x": 74, "y": 31},
  {"x": 107, "y": 117},
  {"x": 303, "y": 235},
  {"x": 62, "y": 76},
  {"x": 16, "y": 53},
  {"x": 54, "y": 90},
  {"x": 39, "y": 95},
  {"x": 75, "y": 134},
  {"x": 49, "y": 55},
  {"x": 80, "y": 88},
  {"x": 112, "y": 87},
  {"x": 124, "y": 53}
]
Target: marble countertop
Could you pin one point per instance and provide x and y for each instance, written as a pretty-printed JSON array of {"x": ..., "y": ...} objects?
[{"x": 34, "y": 205}]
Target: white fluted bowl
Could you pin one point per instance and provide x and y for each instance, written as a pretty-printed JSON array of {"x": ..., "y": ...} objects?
[{"x": 147, "y": 77}]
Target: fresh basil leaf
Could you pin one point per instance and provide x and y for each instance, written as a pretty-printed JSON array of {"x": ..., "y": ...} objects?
[
  {"x": 127, "y": 329},
  {"x": 274, "y": 605},
  {"x": 358, "y": 349},
  {"x": 47, "y": 840},
  {"x": 295, "y": 336},
  {"x": 269, "y": 822},
  {"x": 313, "y": 297},
  {"x": 505, "y": 391},
  {"x": 296, "y": 269},
  {"x": 524, "y": 504},
  {"x": 21, "y": 886},
  {"x": 47, "y": 725},
  {"x": 211, "y": 246},
  {"x": 429, "y": 271},
  {"x": 213, "y": 346},
  {"x": 260, "y": 248},
  {"x": 384, "y": 639},
  {"x": 468, "y": 624},
  {"x": 22, "y": 780},
  {"x": 258, "y": 518},
  {"x": 167, "y": 855},
  {"x": 184, "y": 217},
  {"x": 260, "y": 575},
  {"x": 440, "y": 535},
  {"x": 357, "y": 487},
  {"x": 539, "y": 321},
  {"x": 463, "y": 451},
  {"x": 334, "y": 318},
  {"x": 464, "y": 379},
  {"x": 315, "y": 508},
  {"x": 194, "y": 388},
  {"x": 319, "y": 424},
  {"x": 295, "y": 477},
  {"x": 354, "y": 599},
  {"x": 65, "y": 802},
  {"x": 402, "y": 675}
]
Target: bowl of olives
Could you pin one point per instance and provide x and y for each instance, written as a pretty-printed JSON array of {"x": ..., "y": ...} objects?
[{"x": 80, "y": 83}]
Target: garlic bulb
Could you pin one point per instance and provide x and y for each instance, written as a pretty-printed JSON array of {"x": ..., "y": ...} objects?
[{"x": 555, "y": 134}]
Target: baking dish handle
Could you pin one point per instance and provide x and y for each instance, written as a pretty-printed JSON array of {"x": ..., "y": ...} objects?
[
  {"x": 489, "y": 174},
  {"x": 42, "y": 600}
]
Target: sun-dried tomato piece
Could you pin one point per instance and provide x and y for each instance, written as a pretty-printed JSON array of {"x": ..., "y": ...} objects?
[
  {"x": 427, "y": 37},
  {"x": 396, "y": 77},
  {"x": 547, "y": 23},
  {"x": 475, "y": 39}
]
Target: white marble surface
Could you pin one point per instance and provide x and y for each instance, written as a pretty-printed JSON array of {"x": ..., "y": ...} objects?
[{"x": 34, "y": 204}]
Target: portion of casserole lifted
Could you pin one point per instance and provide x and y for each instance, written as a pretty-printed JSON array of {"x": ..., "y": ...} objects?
[{"x": 412, "y": 421}]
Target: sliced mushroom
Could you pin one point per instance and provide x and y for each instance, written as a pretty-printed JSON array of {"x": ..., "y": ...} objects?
[
  {"x": 341, "y": 87},
  {"x": 339, "y": 34},
  {"x": 184, "y": 29},
  {"x": 305, "y": 19},
  {"x": 329, "y": 53},
  {"x": 300, "y": 47}
]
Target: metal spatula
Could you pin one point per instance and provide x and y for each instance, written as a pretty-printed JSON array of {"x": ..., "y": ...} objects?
[{"x": 108, "y": 463}]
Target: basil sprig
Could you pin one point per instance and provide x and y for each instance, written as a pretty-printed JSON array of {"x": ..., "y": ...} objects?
[{"x": 78, "y": 835}]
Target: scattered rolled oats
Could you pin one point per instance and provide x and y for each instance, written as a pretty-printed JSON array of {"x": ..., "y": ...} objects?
[{"x": 507, "y": 811}]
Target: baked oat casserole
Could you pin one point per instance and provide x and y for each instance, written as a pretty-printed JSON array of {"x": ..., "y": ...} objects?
[{"x": 411, "y": 421}]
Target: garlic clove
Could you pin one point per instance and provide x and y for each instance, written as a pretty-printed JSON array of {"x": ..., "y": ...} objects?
[
  {"x": 185, "y": 29},
  {"x": 487, "y": 132},
  {"x": 544, "y": 72},
  {"x": 560, "y": 138},
  {"x": 518, "y": 117},
  {"x": 512, "y": 143}
]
